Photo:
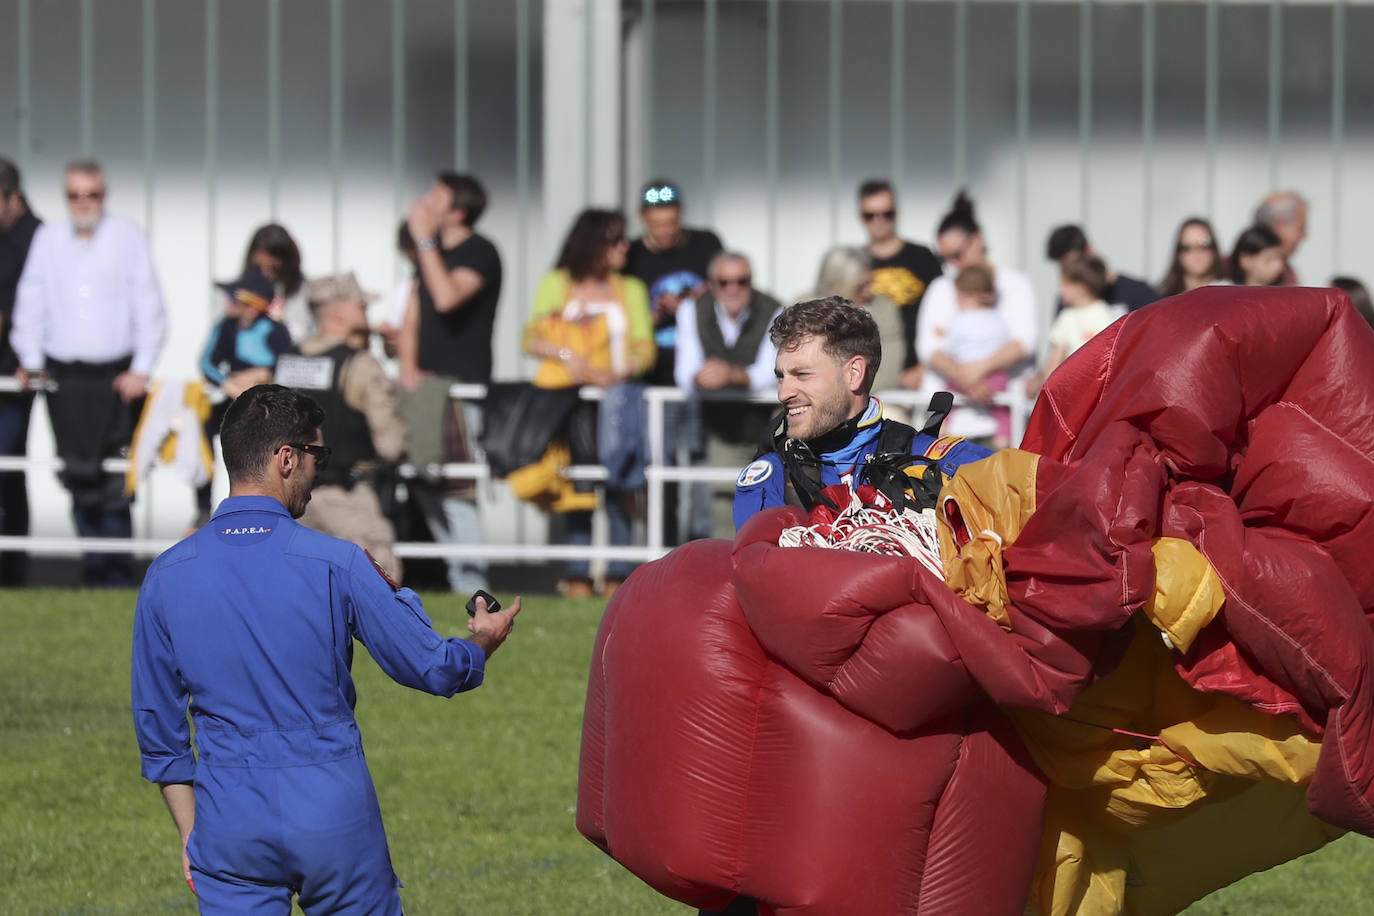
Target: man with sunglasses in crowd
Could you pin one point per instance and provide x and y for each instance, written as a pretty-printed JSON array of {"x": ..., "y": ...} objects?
[
  {"x": 249, "y": 623},
  {"x": 723, "y": 346},
  {"x": 901, "y": 269},
  {"x": 88, "y": 313}
]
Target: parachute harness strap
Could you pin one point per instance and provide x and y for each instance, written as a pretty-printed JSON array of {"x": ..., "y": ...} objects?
[{"x": 874, "y": 528}]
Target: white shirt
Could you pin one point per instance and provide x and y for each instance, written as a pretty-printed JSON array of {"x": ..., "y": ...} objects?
[
  {"x": 92, "y": 300},
  {"x": 975, "y": 334},
  {"x": 691, "y": 357},
  {"x": 1074, "y": 327},
  {"x": 1015, "y": 303}
]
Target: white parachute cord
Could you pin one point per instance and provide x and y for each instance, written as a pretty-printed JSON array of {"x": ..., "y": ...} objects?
[{"x": 874, "y": 529}]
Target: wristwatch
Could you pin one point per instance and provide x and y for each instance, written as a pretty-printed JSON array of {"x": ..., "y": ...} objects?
[{"x": 426, "y": 244}]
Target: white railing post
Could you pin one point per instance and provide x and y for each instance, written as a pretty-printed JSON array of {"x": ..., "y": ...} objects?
[{"x": 654, "y": 472}]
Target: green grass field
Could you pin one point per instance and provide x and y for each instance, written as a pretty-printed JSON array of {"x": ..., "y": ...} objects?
[{"x": 477, "y": 791}]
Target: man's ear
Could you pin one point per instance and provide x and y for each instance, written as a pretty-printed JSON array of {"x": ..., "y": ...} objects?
[
  {"x": 854, "y": 372},
  {"x": 285, "y": 459}
]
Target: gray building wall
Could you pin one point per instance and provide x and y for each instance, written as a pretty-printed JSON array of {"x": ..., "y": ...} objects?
[{"x": 215, "y": 116}]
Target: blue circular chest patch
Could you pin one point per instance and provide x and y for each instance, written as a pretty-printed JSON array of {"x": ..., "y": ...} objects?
[{"x": 755, "y": 474}]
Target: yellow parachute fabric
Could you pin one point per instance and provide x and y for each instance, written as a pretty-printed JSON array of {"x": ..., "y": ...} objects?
[{"x": 1194, "y": 778}]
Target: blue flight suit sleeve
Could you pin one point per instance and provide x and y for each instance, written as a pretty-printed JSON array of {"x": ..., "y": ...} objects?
[
  {"x": 158, "y": 695},
  {"x": 760, "y": 486},
  {"x": 392, "y": 624}
]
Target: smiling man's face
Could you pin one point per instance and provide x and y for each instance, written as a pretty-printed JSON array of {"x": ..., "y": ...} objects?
[{"x": 819, "y": 390}]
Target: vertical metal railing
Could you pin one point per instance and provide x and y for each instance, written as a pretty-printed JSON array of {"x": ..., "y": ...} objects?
[
  {"x": 960, "y": 131},
  {"x": 1085, "y": 108},
  {"x": 710, "y": 55},
  {"x": 896, "y": 113},
  {"x": 772, "y": 138},
  {"x": 1148, "y": 38},
  {"x": 460, "y": 84},
  {"x": 648, "y": 38},
  {"x": 23, "y": 45},
  {"x": 1212, "y": 101},
  {"x": 1023, "y": 100},
  {"x": 1337, "y": 128},
  {"x": 211, "y": 130},
  {"x": 149, "y": 116},
  {"x": 1275, "y": 120},
  {"x": 87, "y": 103},
  {"x": 398, "y": 108},
  {"x": 273, "y": 108},
  {"x": 336, "y": 91},
  {"x": 835, "y": 114},
  {"x": 522, "y": 143}
]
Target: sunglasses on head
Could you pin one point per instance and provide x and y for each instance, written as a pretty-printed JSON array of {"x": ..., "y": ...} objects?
[
  {"x": 658, "y": 196},
  {"x": 870, "y": 215},
  {"x": 726, "y": 282},
  {"x": 85, "y": 195}
]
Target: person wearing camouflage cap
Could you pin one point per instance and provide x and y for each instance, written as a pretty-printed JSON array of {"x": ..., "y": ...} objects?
[{"x": 362, "y": 422}]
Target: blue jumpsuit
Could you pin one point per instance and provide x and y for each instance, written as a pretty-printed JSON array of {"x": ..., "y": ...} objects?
[
  {"x": 252, "y": 619},
  {"x": 763, "y": 484}
]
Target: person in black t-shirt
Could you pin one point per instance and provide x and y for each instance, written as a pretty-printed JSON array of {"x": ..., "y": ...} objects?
[
  {"x": 460, "y": 284},
  {"x": 17, "y": 226},
  {"x": 672, "y": 261},
  {"x": 446, "y": 338},
  {"x": 1121, "y": 289},
  {"x": 901, "y": 270}
]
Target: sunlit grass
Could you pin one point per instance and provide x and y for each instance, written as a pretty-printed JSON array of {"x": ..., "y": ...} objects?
[{"x": 477, "y": 791}]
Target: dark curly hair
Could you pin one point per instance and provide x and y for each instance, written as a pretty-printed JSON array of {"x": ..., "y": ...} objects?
[
  {"x": 261, "y": 421},
  {"x": 584, "y": 250},
  {"x": 848, "y": 330},
  {"x": 274, "y": 240}
]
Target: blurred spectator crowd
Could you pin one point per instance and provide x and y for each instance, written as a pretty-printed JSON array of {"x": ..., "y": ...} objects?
[{"x": 82, "y": 318}]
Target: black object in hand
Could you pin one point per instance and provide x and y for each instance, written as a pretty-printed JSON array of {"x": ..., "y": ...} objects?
[{"x": 492, "y": 604}]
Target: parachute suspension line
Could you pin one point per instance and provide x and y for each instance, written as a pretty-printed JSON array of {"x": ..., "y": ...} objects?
[{"x": 874, "y": 528}]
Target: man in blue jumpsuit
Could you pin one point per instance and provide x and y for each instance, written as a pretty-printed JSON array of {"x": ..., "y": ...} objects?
[
  {"x": 252, "y": 620},
  {"x": 828, "y": 354}
]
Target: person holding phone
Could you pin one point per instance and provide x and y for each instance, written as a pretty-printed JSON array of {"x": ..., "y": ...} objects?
[{"x": 250, "y": 624}]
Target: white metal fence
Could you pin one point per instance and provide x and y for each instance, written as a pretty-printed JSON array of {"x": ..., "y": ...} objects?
[{"x": 658, "y": 473}]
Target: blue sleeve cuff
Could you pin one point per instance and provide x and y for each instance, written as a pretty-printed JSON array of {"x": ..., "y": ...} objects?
[{"x": 161, "y": 768}]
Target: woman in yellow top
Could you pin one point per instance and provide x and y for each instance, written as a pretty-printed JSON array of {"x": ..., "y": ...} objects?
[{"x": 591, "y": 326}]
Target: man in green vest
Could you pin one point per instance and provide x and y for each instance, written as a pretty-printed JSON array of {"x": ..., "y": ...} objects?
[{"x": 723, "y": 353}]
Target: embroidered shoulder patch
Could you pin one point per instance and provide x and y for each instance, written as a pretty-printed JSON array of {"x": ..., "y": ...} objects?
[
  {"x": 942, "y": 446},
  {"x": 756, "y": 473},
  {"x": 395, "y": 586}
]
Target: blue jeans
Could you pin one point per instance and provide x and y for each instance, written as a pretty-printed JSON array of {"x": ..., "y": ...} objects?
[
  {"x": 577, "y": 528},
  {"x": 103, "y": 512},
  {"x": 621, "y": 447}
]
